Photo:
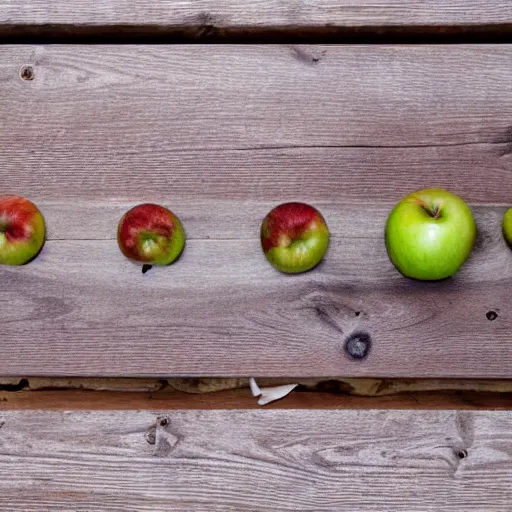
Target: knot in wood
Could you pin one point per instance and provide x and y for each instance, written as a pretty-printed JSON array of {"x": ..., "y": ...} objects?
[
  {"x": 27, "y": 73},
  {"x": 491, "y": 315},
  {"x": 358, "y": 345},
  {"x": 163, "y": 421}
]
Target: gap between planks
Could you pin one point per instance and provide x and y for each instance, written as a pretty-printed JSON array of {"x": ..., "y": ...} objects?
[
  {"x": 241, "y": 399},
  {"x": 265, "y": 21}
]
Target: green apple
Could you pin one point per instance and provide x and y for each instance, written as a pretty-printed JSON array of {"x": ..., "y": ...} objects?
[
  {"x": 294, "y": 237},
  {"x": 22, "y": 230},
  {"x": 507, "y": 226},
  {"x": 430, "y": 234}
]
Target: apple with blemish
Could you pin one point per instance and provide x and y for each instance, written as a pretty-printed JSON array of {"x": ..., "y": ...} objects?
[
  {"x": 429, "y": 234},
  {"x": 294, "y": 237},
  {"x": 22, "y": 230},
  {"x": 151, "y": 234}
]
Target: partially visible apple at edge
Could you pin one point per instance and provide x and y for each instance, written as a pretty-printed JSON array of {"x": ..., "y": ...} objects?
[
  {"x": 507, "y": 226},
  {"x": 22, "y": 230}
]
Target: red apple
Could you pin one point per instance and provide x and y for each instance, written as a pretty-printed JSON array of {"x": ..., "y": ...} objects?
[
  {"x": 294, "y": 237},
  {"x": 151, "y": 234},
  {"x": 22, "y": 230}
]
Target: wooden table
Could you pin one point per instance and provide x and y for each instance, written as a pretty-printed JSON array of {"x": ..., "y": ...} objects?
[{"x": 221, "y": 134}]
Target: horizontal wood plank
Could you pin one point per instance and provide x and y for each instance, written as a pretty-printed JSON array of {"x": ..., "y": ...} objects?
[
  {"x": 85, "y": 294},
  {"x": 183, "y": 320},
  {"x": 230, "y": 460},
  {"x": 255, "y": 13},
  {"x": 131, "y": 120},
  {"x": 261, "y": 122},
  {"x": 221, "y": 134}
]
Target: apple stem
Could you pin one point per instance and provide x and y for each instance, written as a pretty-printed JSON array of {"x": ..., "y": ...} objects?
[
  {"x": 435, "y": 212},
  {"x": 146, "y": 268}
]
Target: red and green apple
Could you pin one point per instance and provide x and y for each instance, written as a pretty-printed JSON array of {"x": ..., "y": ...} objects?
[
  {"x": 430, "y": 234},
  {"x": 22, "y": 230},
  {"x": 151, "y": 234},
  {"x": 294, "y": 237}
]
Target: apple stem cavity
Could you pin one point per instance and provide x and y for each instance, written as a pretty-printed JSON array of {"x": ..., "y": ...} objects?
[
  {"x": 437, "y": 212},
  {"x": 433, "y": 211},
  {"x": 146, "y": 268}
]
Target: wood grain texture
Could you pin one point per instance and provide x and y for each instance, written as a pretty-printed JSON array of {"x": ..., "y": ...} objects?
[
  {"x": 333, "y": 123},
  {"x": 256, "y": 13},
  {"x": 245, "y": 318},
  {"x": 221, "y": 134},
  {"x": 256, "y": 460}
]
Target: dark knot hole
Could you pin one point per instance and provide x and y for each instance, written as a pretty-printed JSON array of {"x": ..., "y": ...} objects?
[
  {"x": 358, "y": 345},
  {"x": 27, "y": 73},
  {"x": 491, "y": 315}
]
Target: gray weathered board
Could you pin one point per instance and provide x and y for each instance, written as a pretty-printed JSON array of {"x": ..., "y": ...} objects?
[
  {"x": 266, "y": 460},
  {"x": 234, "y": 14},
  {"x": 220, "y": 134}
]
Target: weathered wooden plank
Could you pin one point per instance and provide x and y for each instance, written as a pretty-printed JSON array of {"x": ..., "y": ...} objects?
[
  {"x": 351, "y": 175},
  {"x": 220, "y": 134},
  {"x": 241, "y": 317},
  {"x": 230, "y": 460},
  {"x": 256, "y": 123},
  {"x": 257, "y": 13},
  {"x": 136, "y": 122}
]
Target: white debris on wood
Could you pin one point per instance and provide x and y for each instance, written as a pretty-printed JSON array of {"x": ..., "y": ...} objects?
[
  {"x": 255, "y": 389},
  {"x": 268, "y": 395}
]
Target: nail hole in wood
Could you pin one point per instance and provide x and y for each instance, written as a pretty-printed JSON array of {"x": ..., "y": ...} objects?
[
  {"x": 27, "y": 73},
  {"x": 358, "y": 345},
  {"x": 462, "y": 454},
  {"x": 491, "y": 315},
  {"x": 163, "y": 422},
  {"x": 150, "y": 436}
]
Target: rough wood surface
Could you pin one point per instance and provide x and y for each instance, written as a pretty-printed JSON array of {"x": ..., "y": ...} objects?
[
  {"x": 334, "y": 123},
  {"x": 86, "y": 310},
  {"x": 256, "y": 460},
  {"x": 220, "y": 134},
  {"x": 255, "y": 13}
]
